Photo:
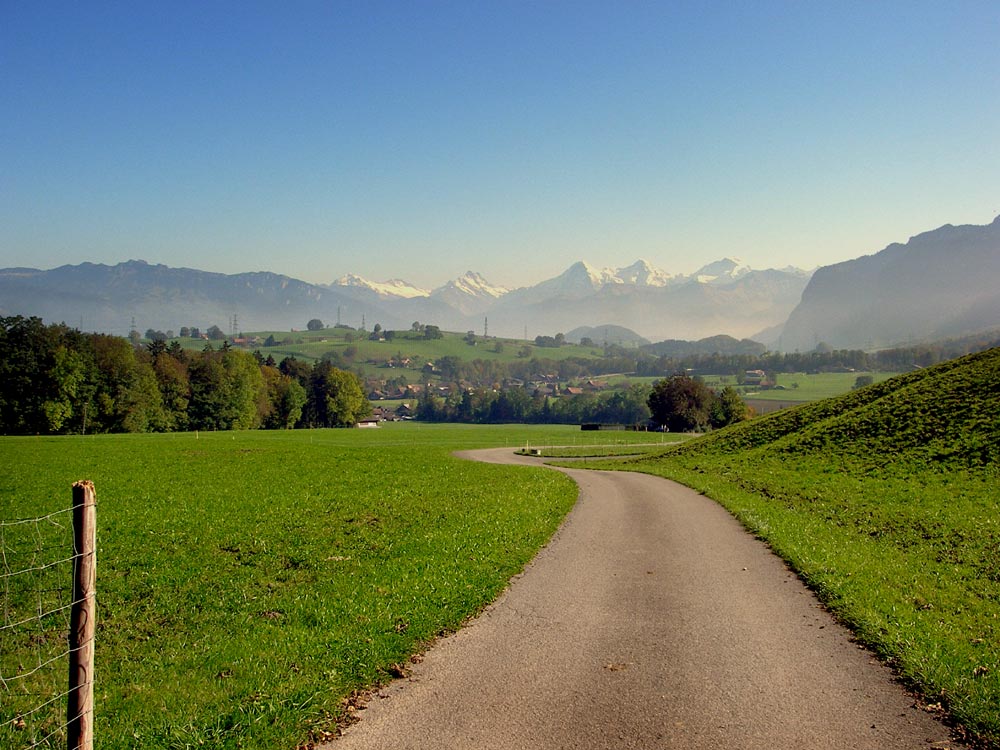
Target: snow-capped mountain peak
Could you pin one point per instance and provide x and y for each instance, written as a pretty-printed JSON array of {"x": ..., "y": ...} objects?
[
  {"x": 581, "y": 276},
  {"x": 390, "y": 288},
  {"x": 642, "y": 273},
  {"x": 470, "y": 293},
  {"x": 721, "y": 271},
  {"x": 475, "y": 285}
]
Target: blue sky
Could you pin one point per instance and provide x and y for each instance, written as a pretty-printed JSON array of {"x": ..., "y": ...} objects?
[{"x": 423, "y": 139}]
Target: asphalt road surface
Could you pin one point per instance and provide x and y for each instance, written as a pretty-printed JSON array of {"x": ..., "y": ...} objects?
[{"x": 651, "y": 620}]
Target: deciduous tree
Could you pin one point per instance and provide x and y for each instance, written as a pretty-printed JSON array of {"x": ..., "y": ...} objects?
[
  {"x": 728, "y": 408},
  {"x": 680, "y": 403},
  {"x": 335, "y": 398}
]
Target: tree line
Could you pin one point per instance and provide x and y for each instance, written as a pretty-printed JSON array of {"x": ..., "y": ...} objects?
[
  {"x": 518, "y": 404},
  {"x": 57, "y": 380},
  {"x": 679, "y": 403}
]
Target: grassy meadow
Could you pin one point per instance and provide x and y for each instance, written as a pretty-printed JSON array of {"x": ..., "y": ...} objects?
[
  {"x": 887, "y": 502},
  {"x": 249, "y": 581},
  {"x": 800, "y": 386},
  {"x": 313, "y": 345}
]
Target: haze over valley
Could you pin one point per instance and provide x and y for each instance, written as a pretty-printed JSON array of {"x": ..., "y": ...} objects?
[{"x": 939, "y": 284}]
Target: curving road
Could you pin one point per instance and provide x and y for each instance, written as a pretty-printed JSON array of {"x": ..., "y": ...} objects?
[{"x": 651, "y": 620}]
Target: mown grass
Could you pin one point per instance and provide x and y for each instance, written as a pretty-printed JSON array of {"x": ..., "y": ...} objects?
[
  {"x": 248, "y": 582},
  {"x": 801, "y": 386},
  {"x": 624, "y": 447},
  {"x": 887, "y": 502}
]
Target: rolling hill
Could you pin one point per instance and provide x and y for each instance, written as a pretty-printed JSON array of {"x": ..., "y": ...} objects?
[{"x": 941, "y": 417}]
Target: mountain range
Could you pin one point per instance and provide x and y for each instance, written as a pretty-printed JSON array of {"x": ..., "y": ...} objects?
[
  {"x": 724, "y": 296},
  {"x": 944, "y": 283}
]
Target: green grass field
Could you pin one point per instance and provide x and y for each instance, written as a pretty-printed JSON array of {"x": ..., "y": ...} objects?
[
  {"x": 312, "y": 345},
  {"x": 248, "y": 582},
  {"x": 887, "y": 502},
  {"x": 654, "y": 443},
  {"x": 801, "y": 386}
]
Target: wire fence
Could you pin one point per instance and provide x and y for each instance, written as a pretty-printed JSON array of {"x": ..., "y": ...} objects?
[{"x": 40, "y": 561}]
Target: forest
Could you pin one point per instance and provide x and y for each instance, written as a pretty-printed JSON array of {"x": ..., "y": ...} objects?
[{"x": 57, "y": 380}]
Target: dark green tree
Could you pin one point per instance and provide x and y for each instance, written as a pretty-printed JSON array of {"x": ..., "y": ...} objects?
[
  {"x": 285, "y": 399},
  {"x": 681, "y": 403},
  {"x": 296, "y": 368},
  {"x": 207, "y": 388},
  {"x": 28, "y": 348},
  {"x": 175, "y": 390}
]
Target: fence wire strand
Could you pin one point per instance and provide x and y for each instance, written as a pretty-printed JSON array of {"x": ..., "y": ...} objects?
[{"x": 36, "y": 581}]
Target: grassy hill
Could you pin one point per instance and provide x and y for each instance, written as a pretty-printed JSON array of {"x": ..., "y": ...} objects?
[
  {"x": 947, "y": 416},
  {"x": 887, "y": 502},
  {"x": 367, "y": 356}
]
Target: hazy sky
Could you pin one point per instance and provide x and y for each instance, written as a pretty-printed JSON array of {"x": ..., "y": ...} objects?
[{"x": 423, "y": 139}]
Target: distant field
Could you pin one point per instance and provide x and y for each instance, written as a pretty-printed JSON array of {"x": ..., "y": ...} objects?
[
  {"x": 800, "y": 386},
  {"x": 795, "y": 386},
  {"x": 313, "y": 345},
  {"x": 248, "y": 582}
]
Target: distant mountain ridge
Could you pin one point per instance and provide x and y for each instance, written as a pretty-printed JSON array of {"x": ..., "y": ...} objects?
[
  {"x": 606, "y": 334},
  {"x": 940, "y": 284},
  {"x": 107, "y": 298},
  {"x": 722, "y": 297},
  {"x": 580, "y": 277}
]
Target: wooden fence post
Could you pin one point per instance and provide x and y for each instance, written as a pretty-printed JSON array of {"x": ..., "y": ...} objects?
[{"x": 80, "y": 703}]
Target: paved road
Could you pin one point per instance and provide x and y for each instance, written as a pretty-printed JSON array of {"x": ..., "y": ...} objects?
[{"x": 651, "y": 620}]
